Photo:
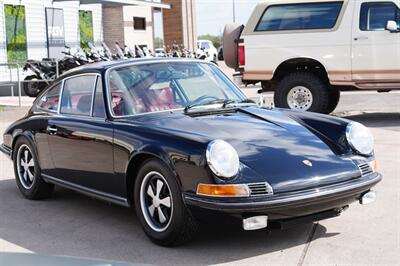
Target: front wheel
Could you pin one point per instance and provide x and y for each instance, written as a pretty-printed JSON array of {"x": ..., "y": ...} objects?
[
  {"x": 303, "y": 91},
  {"x": 159, "y": 206},
  {"x": 32, "y": 87}
]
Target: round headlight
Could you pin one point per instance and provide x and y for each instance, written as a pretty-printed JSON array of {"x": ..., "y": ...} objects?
[
  {"x": 360, "y": 138},
  {"x": 222, "y": 159}
]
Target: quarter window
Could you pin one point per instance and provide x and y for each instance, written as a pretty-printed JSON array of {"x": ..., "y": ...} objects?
[
  {"x": 375, "y": 15},
  {"x": 77, "y": 95},
  {"x": 99, "y": 109},
  {"x": 300, "y": 16},
  {"x": 50, "y": 99}
]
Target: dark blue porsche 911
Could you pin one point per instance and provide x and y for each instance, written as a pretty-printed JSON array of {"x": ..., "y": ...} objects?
[{"x": 176, "y": 138}]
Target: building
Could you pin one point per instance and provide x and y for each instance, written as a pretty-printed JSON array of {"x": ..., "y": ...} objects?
[{"x": 36, "y": 29}]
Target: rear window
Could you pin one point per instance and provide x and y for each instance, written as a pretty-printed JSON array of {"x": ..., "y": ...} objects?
[{"x": 305, "y": 16}]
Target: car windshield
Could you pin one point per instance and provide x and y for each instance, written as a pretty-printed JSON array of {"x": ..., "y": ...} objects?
[{"x": 153, "y": 87}]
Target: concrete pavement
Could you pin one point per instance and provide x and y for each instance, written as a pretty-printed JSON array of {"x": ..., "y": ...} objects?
[{"x": 75, "y": 225}]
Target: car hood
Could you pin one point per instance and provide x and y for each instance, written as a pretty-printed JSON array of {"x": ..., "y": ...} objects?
[{"x": 276, "y": 148}]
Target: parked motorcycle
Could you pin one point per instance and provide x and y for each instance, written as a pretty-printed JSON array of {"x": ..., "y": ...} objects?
[{"x": 45, "y": 71}]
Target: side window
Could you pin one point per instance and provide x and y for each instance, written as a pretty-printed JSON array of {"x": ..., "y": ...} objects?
[
  {"x": 300, "y": 16},
  {"x": 77, "y": 95},
  {"x": 50, "y": 99},
  {"x": 375, "y": 15},
  {"x": 99, "y": 109}
]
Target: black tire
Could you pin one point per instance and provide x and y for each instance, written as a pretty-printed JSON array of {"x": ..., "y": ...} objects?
[
  {"x": 36, "y": 188},
  {"x": 334, "y": 97},
  {"x": 181, "y": 226},
  {"x": 32, "y": 89},
  {"x": 316, "y": 86}
]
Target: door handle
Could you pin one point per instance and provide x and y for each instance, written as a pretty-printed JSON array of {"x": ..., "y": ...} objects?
[
  {"x": 51, "y": 129},
  {"x": 361, "y": 38}
]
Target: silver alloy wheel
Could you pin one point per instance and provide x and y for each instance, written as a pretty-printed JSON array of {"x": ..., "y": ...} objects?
[
  {"x": 25, "y": 166},
  {"x": 300, "y": 98},
  {"x": 156, "y": 201}
]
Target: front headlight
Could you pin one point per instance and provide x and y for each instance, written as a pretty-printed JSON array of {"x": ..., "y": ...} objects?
[
  {"x": 222, "y": 159},
  {"x": 360, "y": 138}
]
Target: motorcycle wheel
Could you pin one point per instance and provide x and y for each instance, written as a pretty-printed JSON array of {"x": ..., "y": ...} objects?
[{"x": 32, "y": 89}]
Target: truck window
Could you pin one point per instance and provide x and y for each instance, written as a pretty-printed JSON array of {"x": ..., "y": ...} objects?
[
  {"x": 300, "y": 16},
  {"x": 375, "y": 15}
]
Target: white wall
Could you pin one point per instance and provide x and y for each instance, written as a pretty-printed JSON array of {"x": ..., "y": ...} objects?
[
  {"x": 138, "y": 37},
  {"x": 36, "y": 27}
]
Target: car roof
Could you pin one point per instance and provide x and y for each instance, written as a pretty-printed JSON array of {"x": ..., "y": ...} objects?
[{"x": 103, "y": 66}]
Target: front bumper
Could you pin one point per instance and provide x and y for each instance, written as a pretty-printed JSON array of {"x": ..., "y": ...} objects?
[
  {"x": 289, "y": 205},
  {"x": 6, "y": 150}
]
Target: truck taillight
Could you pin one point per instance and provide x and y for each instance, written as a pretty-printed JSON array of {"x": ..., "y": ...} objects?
[{"x": 241, "y": 54}]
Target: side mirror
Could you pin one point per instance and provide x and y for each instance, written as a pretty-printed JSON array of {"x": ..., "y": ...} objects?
[{"x": 392, "y": 26}]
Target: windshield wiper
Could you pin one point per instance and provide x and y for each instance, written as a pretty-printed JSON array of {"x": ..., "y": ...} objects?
[{"x": 224, "y": 103}]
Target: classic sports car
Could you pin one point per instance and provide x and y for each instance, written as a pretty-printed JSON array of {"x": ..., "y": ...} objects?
[{"x": 176, "y": 138}]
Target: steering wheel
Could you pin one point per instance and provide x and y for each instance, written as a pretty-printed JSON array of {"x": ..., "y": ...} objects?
[{"x": 203, "y": 98}]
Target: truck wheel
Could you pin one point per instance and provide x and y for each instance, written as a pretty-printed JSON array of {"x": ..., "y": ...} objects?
[
  {"x": 302, "y": 91},
  {"x": 334, "y": 97},
  {"x": 231, "y": 36}
]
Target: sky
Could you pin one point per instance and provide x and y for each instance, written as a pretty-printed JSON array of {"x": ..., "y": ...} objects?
[{"x": 213, "y": 15}]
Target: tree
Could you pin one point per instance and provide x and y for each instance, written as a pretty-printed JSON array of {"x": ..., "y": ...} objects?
[{"x": 216, "y": 40}]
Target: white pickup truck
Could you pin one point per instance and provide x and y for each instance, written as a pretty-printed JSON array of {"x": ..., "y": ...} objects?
[{"x": 308, "y": 51}]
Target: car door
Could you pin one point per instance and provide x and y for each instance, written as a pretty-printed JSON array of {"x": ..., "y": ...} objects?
[
  {"x": 44, "y": 108},
  {"x": 80, "y": 138},
  {"x": 376, "y": 51}
]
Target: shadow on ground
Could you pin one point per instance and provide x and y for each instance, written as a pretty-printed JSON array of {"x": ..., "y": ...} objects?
[
  {"x": 74, "y": 225},
  {"x": 375, "y": 120}
]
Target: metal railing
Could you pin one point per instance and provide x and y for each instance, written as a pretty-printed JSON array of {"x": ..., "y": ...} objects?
[
  {"x": 18, "y": 67},
  {"x": 11, "y": 82}
]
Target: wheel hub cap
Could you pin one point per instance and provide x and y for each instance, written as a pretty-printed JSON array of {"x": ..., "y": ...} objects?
[
  {"x": 156, "y": 201},
  {"x": 300, "y": 98},
  {"x": 25, "y": 166}
]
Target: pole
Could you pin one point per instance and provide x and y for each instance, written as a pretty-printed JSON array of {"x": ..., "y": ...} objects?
[{"x": 234, "y": 11}]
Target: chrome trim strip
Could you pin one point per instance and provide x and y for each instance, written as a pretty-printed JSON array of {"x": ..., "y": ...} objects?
[{"x": 87, "y": 191}]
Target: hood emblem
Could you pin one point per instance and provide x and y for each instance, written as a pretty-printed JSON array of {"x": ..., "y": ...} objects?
[{"x": 307, "y": 162}]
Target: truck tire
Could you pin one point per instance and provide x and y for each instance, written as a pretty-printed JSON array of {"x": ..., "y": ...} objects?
[
  {"x": 334, "y": 97},
  {"x": 230, "y": 47},
  {"x": 303, "y": 91}
]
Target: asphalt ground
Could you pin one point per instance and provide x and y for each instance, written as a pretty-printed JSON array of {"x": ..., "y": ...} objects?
[{"x": 70, "y": 224}]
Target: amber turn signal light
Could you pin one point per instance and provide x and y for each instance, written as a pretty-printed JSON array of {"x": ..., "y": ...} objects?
[
  {"x": 223, "y": 190},
  {"x": 374, "y": 166}
]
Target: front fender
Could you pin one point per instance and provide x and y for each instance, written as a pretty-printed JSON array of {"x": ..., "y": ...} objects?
[{"x": 329, "y": 129}]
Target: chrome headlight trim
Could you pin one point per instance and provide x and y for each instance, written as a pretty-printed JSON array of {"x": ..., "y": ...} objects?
[
  {"x": 218, "y": 167},
  {"x": 363, "y": 133}
]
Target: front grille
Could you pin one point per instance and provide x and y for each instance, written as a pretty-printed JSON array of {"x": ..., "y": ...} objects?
[
  {"x": 365, "y": 169},
  {"x": 260, "y": 189}
]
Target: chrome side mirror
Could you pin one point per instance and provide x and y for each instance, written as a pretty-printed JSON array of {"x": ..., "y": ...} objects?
[{"x": 392, "y": 26}]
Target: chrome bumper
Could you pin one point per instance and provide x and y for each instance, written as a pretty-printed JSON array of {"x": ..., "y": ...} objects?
[{"x": 318, "y": 199}]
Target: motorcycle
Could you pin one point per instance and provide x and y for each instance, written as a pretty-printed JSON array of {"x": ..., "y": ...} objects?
[{"x": 44, "y": 72}]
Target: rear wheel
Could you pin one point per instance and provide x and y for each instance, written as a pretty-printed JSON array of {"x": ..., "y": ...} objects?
[
  {"x": 159, "y": 206},
  {"x": 28, "y": 173},
  {"x": 33, "y": 86},
  {"x": 302, "y": 91}
]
